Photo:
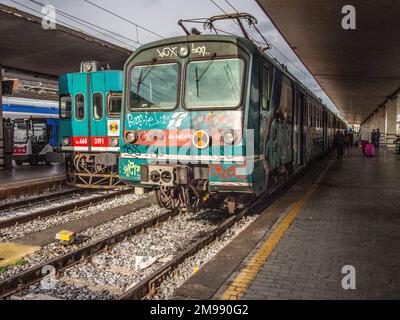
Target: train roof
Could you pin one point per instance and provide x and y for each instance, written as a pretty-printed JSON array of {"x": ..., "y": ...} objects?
[
  {"x": 100, "y": 71},
  {"x": 29, "y": 102}
]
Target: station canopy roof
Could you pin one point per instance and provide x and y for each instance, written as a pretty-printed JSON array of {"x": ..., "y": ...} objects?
[
  {"x": 358, "y": 69},
  {"x": 26, "y": 47}
]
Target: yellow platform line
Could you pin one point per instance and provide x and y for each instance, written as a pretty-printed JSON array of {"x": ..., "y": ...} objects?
[{"x": 241, "y": 282}]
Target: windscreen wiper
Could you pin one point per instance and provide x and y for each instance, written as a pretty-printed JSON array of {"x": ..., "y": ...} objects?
[
  {"x": 141, "y": 78},
  {"x": 202, "y": 72},
  {"x": 197, "y": 82},
  {"x": 139, "y": 82}
]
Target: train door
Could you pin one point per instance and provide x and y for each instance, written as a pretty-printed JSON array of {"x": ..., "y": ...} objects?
[
  {"x": 265, "y": 112},
  {"x": 299, "y": 129},
  {"x": 99, "y": 140},
  {"x": 325, "y": 129},
  {"x": 80, "y": 112}
]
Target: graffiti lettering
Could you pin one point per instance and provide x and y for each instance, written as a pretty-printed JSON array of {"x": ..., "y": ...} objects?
[
  {"x": 216, "y": 170},
  {"x": 131, "y": 169},
  {"x": 279, "y": 146},
  {"x": 148, "y": 119},
  {"x": 168, "y": 52},
  {"x": 131, "y": 149},
  {"x": 201, "y": 50}
]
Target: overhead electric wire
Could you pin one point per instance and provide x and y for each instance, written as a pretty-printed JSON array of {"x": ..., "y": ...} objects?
[
  {"x": 272, "y": 47},
  {"x": 231, "y": 6},
  {"x": 63, "y": 22},
  {"x": 259, "y": 42},
  {"x": 122, "y": 18},
  {"x": 83, "y": 21}
]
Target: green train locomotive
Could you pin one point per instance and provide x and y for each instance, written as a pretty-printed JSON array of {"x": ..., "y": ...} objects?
[
  {"x": 213, "y": 115},
  {"x": 90, "y": 110}
]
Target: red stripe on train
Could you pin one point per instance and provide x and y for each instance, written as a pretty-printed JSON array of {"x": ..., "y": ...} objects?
[{"x": 95, "y": 141}]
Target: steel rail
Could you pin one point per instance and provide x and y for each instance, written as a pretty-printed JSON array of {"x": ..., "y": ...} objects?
[
  {"x": 22, "y": 203},
  {"x": 63, "y": 209},
  {"x": 150, "y": 284},
  {"x": 22, "y": 280}
]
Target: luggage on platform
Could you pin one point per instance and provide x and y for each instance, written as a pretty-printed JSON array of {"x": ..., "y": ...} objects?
[{"x": 370, "y": 150}]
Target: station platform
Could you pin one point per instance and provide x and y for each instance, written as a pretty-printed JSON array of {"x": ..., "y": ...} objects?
[
  {"x": 16, "y": 180},
  {"x": 333, "y": 235}
]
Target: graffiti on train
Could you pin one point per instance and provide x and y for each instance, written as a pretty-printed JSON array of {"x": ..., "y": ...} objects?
[
  {"x": 279, "y": 148},
  {"x": 131, "y": 169}
]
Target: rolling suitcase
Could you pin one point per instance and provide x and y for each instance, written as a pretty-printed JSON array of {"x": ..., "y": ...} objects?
[{"x": 369, "y": 150}]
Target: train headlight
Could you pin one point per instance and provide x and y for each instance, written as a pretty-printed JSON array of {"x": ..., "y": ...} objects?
[
  {"x": 131, "y": 136},
  {"x": 229, "y": 137},
  {"x": 88, "y": 67},
  {"x": 166, "y": 176},
  {"x": 114, "y": 142},
  {"x": 66, "y": 141},
  {"x": 183, "y": 52},
  {"x": 155, "y": 176}
]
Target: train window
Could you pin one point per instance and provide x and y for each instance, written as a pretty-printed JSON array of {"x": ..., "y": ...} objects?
[
  {"x": 286, "y": 102},
  {"x": 154, "y": 86},
  {"x": 65, "y": 107},
  {"x": 266, "y": 89},
  {"x": 214, "y": 83},
  {"x": 98, "y": 106},
  {"x": 79, "y": 107},
  {"x": 114, "y": 104}
]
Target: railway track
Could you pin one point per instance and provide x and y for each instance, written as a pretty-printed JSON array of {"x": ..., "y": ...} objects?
[
  {"x": 148, "y": 285},
  {"x": 44, "y": 198},
  {"x": 20, "y": 281},
  {"x": 57, "y": 210}
]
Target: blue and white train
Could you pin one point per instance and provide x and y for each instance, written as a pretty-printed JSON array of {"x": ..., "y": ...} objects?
[{"x": 23, "y": 108}]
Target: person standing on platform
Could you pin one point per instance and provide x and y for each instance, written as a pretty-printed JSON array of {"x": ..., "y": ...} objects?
[
  {"x": 347, "y": 138},
  {"x": 364, "y": 136},
  {"x": 339, "y": 142},
  {"x": 373, "y": 137},
  {"x": 351, "y": 138},
  {"x": 377, "y": 138}
]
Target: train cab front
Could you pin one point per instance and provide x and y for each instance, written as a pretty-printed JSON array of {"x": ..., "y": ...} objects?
[
  {"x": 185, "y": 121},
  {"x": 90, "y": 110}
]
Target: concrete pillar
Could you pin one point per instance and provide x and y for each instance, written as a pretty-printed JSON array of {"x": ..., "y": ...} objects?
[
  {"x": 381, "y": 124},
  {"x": 373, "y": 121},
  {"x": 1, "y": 122},
  {"x": 398, "y": 116},
  {"x": 392, "y": 107}
]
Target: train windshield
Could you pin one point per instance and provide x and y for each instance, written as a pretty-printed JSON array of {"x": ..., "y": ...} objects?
[
  {"x": 20, "y": 132},
  {"x": 154, "y": 86},
  {"x": 214, "y": 83}
]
